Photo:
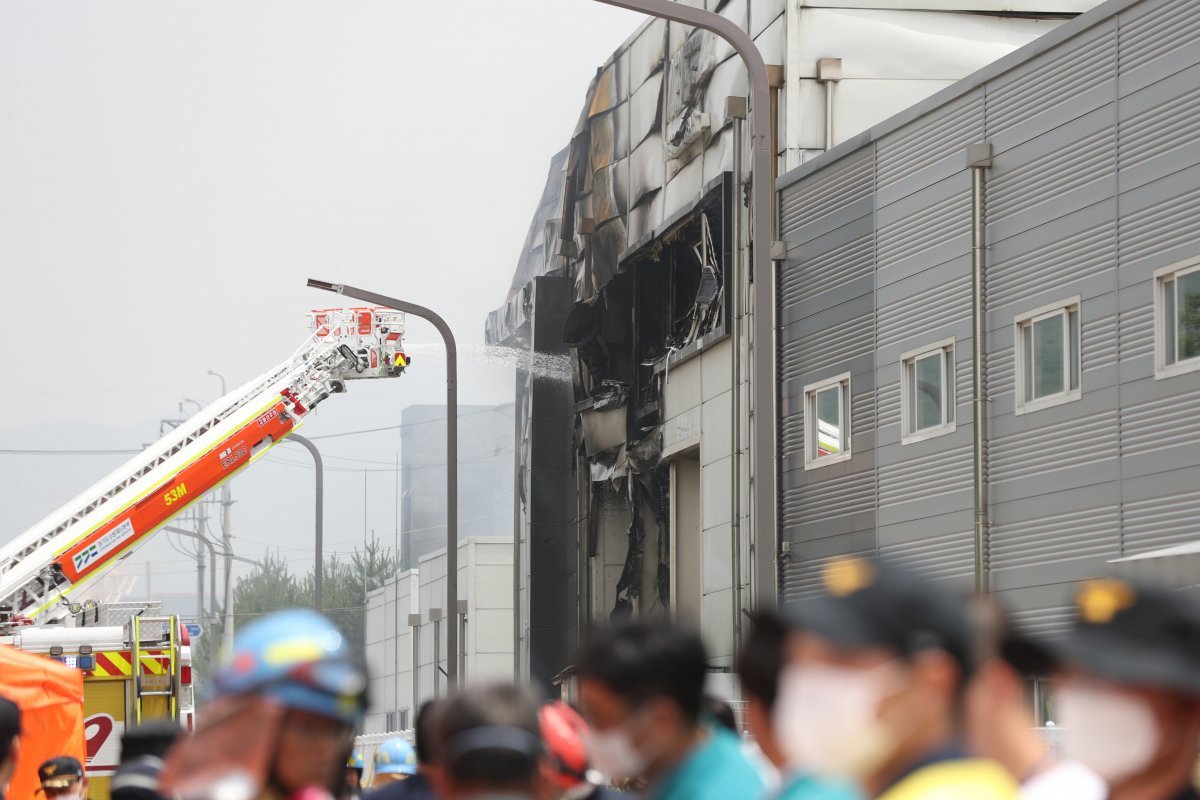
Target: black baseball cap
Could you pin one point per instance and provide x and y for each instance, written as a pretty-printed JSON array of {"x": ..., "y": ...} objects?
[
  {"x": 1136, "y": 634},
  {"x": 876, "y": 604},
  {"x": 59, "y": 772}
]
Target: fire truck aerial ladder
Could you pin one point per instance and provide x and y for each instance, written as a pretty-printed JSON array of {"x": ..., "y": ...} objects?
[{"x": 42, "y": 569}]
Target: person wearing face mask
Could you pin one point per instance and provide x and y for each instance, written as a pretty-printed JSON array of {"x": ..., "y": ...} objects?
[
  {"x": 759, "y": 664},
  {"x": 289, "y": 696},
  {"x": 62, "y": 778},
  {"x": 1129, "y": 698},
  {"x": 567, "y": 773},
  {"x": 998, "y": 714},
  {"x": 873, "y": 684},
  {"x": 641, "y": 687}
]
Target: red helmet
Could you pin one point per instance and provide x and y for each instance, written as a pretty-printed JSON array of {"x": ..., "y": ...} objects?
[{"x": 565, "y": 735}]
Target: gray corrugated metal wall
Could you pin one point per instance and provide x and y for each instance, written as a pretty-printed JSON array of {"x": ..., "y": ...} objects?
[{"x": 1095, "y": 184}]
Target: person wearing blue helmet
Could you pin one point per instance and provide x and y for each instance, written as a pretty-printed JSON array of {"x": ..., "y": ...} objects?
[
  {"x": 355, "y": 765},
  {"x": 395, "y": 760},
  {"x": 289, "y": 697}
]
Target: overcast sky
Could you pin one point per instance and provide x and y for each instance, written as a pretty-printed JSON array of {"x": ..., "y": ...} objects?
[{"x": 170, "y": 174}]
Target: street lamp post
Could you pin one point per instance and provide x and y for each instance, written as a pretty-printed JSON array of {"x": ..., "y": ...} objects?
[
  {"x": 762, "y": 218},
  {"x": 451, "y": 449},
  {"x": 319, "y": 568}
]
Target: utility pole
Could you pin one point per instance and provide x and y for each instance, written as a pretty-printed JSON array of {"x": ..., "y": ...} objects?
[{"x": 226, "y": 537}]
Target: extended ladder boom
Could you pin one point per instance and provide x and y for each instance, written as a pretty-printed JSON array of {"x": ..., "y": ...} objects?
[{"x": 43, "y": 567}]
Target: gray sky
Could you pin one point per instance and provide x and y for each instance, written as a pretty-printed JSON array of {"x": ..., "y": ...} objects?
[{"x": 170, "y": 174}]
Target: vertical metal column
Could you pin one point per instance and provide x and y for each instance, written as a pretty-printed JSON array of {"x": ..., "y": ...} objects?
[{"x": 979, "y": 159}]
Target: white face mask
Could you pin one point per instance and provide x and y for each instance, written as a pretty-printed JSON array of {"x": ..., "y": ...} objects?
[
  {"x": 826, "y": 719},
  {"x": 1112, "y": 733},
  {"x": 614, "y": 754}
]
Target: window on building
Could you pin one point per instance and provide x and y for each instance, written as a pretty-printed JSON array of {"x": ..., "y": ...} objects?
[
  {"x": 827, "y": 411},
  {"x": 927, "y": 389},
  {"x": 1048, "y": 356},
  {"x": 1177, "y": 311}
]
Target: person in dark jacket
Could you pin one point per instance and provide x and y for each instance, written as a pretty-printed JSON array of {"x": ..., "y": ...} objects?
[
  {"x": 419, "y": 786},
  {"x": 10, "y": 730},
  {"x": 143, "y": 753}
]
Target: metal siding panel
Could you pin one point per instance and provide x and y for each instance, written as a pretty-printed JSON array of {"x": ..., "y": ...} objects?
[
  {"x": 1038, "y": 447},
  {"x": 805, "y": 349},
  {"x": 1053, "y": 538},
  {"x": 1099, "y": 338},
  {"x": 922, "y": 314},
  {"x": 1147, "y": 428},
  {"x": 907, "y": 485},
  {"x": 1050, "y": 176},
  {"x": 1160, "y": 522},
  {"x": 1160, "y": 120},
  {"x": 826, "y": 193},
  {"x": 1050, "y": 622},
  {"x": 1154, "y": 31},
  {"x": 1136, "y": 333},
  {"x": 948, "y": 556},
  {"x": 1160, "y": 222},
  {"x": 1049, "y": 261},
  {"x": 941, "y": 135},
  {"x": 928, "y": 228},
  {"x": 837, "y": 259},
  {"x": 1052, "y": 88}
]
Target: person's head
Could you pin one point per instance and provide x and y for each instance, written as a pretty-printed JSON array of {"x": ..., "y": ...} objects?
[
  {"x": 354, "y": 771},
  {"x": 10, "y": 731},
  {"x": 143, "y": 748},
  {"x": 151, "y": 738},
  {"x": 1129, "y": 698},
  {"x": 62, "y": 778},
  {"x": 488, "y": 742},
  {"x": 425, "y": 734},
  {"x": 997, "y": 710},
  {"x": 300, "y": 661},
  {"x": 395, "y": 759},
  {"x": 875, "y": 669},
  {"x": 566, "y": 764},
  {"x": 641, "y": 687},
  {"x": 758, "y": 666}
]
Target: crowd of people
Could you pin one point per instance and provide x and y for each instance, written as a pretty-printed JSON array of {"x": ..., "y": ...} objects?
[{"x": 886, "y": 685}]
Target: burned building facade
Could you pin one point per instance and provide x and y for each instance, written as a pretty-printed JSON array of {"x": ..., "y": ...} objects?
[{"x": 629, "y": 303}]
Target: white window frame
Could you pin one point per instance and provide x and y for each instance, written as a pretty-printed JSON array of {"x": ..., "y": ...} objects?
[
  {"x": 1161, "y": 368},
  {"x": 1021, "y": 406},
  {"x": 811, "y": 460},
  {"x": 908, "y": 360}
]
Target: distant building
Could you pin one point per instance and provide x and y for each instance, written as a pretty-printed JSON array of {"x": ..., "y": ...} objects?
[
  {"x": 485, "y": 476},
  {"x": 406, "y": 629}
]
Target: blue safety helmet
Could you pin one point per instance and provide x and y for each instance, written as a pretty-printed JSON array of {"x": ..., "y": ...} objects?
[
  {"x": 356, "y": 761},
  {"x": 395, "y": 757},
  {"x": 299, "y": 659}
]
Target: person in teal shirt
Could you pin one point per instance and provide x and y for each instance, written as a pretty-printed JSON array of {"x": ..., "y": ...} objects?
[
  {"x": 641, "y": 688},
  {"x": 759, "y": 665}
]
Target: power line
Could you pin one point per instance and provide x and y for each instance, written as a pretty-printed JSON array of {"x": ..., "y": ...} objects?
[{"x": 90, "y": 452}]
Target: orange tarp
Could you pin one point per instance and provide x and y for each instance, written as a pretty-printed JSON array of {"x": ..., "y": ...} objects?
[{"x": 50, "y": 696}]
